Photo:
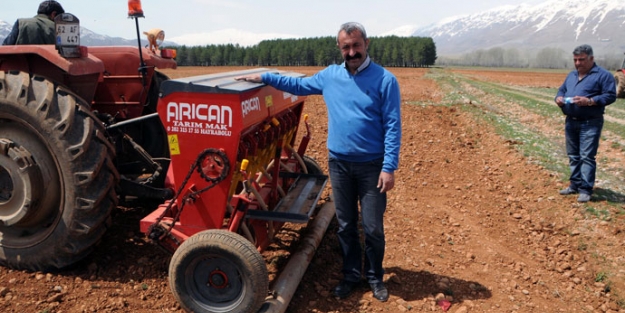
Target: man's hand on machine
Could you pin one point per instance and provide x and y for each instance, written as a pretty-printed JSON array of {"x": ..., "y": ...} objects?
[{"x": 254, "y": 78}]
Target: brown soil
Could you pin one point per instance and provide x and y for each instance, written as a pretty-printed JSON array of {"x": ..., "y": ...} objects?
[{"x": 470, "y": 220}]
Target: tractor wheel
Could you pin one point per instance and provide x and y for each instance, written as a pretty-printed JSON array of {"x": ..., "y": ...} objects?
[
  {"x": 620, "y": 84},
  {"x": 312, "y": 166},
  {"x": 218, "y": 271},
  {"x": 57, "y": 179}
]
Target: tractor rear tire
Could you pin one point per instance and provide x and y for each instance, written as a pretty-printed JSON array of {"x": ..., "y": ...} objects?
[
  {"x": 57, "y": 178},
  {"x": 619, "y": 77},
  {"x": 218, "y": 271}
]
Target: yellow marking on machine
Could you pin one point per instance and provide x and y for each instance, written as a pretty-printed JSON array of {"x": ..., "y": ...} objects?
[
  {"x": 174, "y": 146},
  {"x": 269, "y": 101}
]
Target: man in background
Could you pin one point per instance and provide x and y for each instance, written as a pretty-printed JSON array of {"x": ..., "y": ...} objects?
[
  {"x": 38, "y": 30},
  {"x": 583, "y": 96}
]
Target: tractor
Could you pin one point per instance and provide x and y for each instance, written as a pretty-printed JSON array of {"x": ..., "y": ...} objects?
[
  {"x": 619, "y": 78},
  {"x": 83, "y": 128}
]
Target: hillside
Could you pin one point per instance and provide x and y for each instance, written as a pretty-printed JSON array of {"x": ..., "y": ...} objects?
[{"x": 552, "y": 23}]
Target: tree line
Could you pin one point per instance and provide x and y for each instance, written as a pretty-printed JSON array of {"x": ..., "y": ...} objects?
[
  {"x": 548, "y": 57},
  {"x": 389, "y": 51}
]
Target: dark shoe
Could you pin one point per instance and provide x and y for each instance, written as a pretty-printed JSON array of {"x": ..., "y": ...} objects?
[
  {"x": 344, "y": 289},
  {"x": 379, "y": 292},
  {"x": 568, "y": 191},
  {"x": 583, "y": 197}
]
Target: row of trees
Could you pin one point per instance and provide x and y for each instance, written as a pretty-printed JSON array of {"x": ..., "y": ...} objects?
[
  {"x": 390, "y": 51},
  {"x": 553, "y": 58},
  {"x": 322, "y": 51}
]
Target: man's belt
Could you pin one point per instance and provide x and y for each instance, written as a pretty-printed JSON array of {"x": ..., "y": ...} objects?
[{"x": 581, "y": 119}]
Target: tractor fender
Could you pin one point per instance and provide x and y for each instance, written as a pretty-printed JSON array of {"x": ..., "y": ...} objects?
[{"x": 80, "y": 75}]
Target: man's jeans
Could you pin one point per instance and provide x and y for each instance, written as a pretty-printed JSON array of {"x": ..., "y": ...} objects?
[
  {"x": 582, "y": 143},
  {"x": 353, "y": 182}
]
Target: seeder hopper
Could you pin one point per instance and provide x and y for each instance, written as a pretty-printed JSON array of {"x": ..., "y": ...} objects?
[{"x": 238, "y": 178}]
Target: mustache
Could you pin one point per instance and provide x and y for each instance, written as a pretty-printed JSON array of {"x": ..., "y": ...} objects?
[{"x": 348, "y": 57}]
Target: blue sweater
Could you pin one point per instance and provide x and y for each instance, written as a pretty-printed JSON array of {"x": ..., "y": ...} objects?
[
  {"x": 364, "y": 120},
  {"x": 598, "y": 84}
]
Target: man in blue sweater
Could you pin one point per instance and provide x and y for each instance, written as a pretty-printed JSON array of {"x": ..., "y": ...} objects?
[
  {"x": 583, "y": 97},
  {"x": 364, "y": 136}
]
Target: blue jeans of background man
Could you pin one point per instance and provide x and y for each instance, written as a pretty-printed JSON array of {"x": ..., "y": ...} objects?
[
  {"x": 582, "y": 143},
  {"x": 353, "y": 183}
]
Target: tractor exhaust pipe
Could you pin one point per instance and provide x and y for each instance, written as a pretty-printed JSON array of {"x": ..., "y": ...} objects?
[{"x": 285, "y": 285}]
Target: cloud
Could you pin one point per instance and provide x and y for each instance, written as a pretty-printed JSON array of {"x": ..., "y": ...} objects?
[{"x": 227, "y": 36}]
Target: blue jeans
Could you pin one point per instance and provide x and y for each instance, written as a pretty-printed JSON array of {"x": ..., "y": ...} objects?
[
  {"x": 582, "y": 143},
  {"x": 353, "y": 183}
]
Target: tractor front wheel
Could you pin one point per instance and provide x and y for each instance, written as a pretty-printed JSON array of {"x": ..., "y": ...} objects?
[{"x": 218, "y": 271}]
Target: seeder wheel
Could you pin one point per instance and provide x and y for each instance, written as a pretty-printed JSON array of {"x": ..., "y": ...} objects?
[
  {"x": 218, "y": 271},
  {"x": 312, "y": 166}
]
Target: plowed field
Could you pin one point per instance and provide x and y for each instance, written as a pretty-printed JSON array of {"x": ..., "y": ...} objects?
[{"x": 475, "y": 219}]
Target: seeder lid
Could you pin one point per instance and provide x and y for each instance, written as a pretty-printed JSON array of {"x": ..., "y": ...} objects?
[{"x": 221, "y": 83}]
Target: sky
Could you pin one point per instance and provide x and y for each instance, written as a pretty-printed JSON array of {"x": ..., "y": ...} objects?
[{"x": 245, "y": 22}]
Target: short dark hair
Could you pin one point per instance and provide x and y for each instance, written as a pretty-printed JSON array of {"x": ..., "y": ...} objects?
[
  {"x": 583, "y": 49},
  {"x": 49, "y": 6}
]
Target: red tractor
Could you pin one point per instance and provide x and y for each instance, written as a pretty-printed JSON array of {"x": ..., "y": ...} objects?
[
  {"x": 619, "y": 77},
  {"x": 82, "y": 128}
]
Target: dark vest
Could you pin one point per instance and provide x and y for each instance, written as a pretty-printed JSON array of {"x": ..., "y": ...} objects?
[{"x": 38, "y": 30}]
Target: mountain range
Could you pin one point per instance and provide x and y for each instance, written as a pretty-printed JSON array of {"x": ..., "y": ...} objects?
[{"x": 553, "y": 23}]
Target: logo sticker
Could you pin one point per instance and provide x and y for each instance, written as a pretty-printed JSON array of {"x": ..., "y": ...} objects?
[
  {"x": 250, "y": 105},
  {"x": 204, "y": 119}
]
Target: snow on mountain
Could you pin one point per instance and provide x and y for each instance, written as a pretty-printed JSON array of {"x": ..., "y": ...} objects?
[
  {"x": 89, "y": 38},
  {"x": 404, "y": 31},
  {"x": 5, "y": 29},
  {"x": 553, "y": 23}
]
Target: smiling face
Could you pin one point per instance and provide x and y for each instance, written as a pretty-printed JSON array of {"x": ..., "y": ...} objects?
[{"x": 353, "y": 48}]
